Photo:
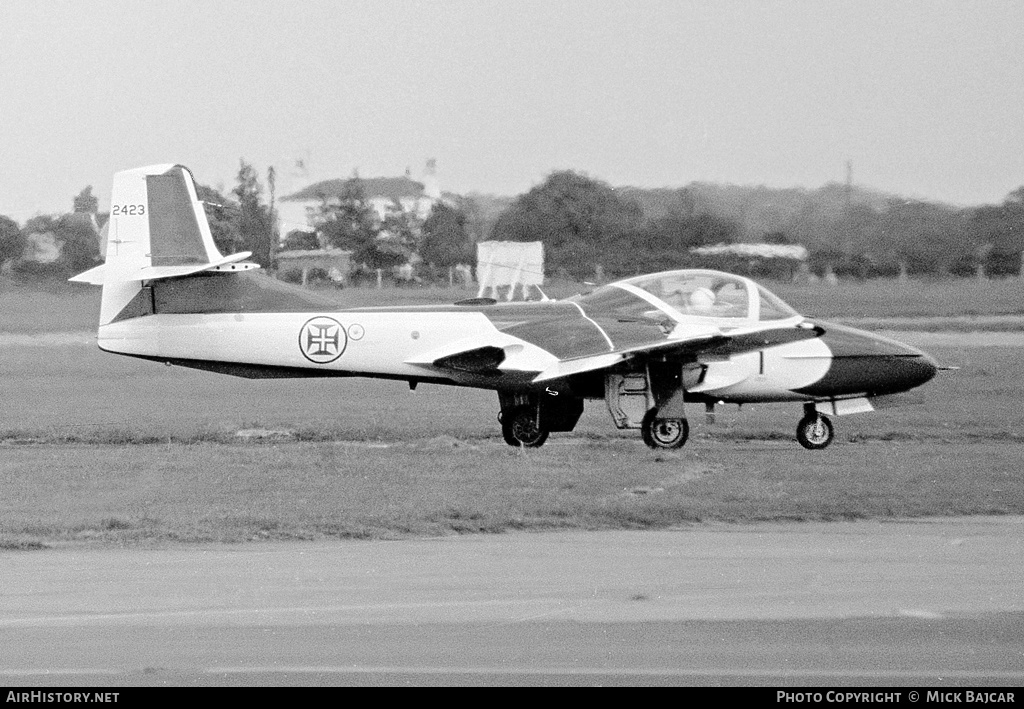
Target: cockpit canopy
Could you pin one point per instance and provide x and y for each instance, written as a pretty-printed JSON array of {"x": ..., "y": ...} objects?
[{"x": 688, "y": 296}]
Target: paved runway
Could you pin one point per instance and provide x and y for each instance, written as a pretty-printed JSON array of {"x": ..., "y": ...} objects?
[{"x": 931, "y": 602}]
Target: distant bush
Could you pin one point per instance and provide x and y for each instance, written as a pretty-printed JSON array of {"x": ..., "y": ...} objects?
[{"x": 291, "y": 275}]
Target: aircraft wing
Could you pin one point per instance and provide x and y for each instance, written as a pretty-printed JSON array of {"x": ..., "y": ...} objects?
[
  {"x": 550, "y": 349},
  {"x": 685, "y": 343}
]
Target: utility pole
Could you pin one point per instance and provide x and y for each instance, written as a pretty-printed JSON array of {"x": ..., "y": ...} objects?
[
  {"x": 848, "y": 217},
  {"x": 272, "y": 220}
]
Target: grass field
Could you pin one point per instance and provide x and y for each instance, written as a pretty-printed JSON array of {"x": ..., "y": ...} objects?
[
  {"x": 69, "y": 307},
  {"x": 892, "y": 298},
  {"x": 97, "y": 448},
  {"x": 217, "y": 492}
]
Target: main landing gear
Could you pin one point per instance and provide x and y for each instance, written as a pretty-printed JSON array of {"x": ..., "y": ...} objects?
[
  {"x": 521, "y": 427},
  {"x": 814, "y": 430},
  {"x": 528, "y": 418},
  {"x": 664, "y": 432}
]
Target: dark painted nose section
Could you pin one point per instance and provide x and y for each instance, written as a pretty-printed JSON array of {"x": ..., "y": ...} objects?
[{"x": 868, "y": 364}]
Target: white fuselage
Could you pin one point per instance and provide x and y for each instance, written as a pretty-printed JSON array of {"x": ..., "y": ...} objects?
[{"x": 393, "y": 344}]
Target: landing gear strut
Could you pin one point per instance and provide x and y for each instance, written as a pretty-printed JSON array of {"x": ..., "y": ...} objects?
[
  {"x": 664, "y": 432},
  {"x": 814, "y": 430}
]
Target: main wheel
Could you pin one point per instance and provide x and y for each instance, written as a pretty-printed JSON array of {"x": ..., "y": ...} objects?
[
  {"x": 814, "y": 432},
  {"x": 664, "y": 433},
  {"x": 519, "y": 428}
]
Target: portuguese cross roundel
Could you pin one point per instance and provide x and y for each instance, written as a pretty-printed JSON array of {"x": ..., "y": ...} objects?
[{"x": 322, "y": 340}]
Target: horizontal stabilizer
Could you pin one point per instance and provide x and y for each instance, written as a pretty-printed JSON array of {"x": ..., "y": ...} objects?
[{"x": 103, "y": 274}]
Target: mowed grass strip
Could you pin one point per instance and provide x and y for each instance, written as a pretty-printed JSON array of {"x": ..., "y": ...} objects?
[{"x": 208, "y": 492}]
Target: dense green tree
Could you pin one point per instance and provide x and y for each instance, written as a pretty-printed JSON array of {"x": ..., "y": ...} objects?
[
  {"x": 222, "y": 215},
  {"x": 76, "y": 238},
  {"x": 664, "y": 243},
  {"x": 680, "y": 233},
  {"x": 80, "y": 249},
  {"x": 12, "y": 241},
  {"x": 925, "y": 237},
  {"x": 818, "y": 226},
  {"x": 577, "y": 218},
  {"x": 395, "y": 242},
  {"x": 300, "y": 240},
  {"x": 445, "y": 242},
  {"x": 86, "y": 202},
  {"x": 255, "y": 223},
  {"x": 481, "y": 212},
  {"x": 38, "y": 225},
  {"x": 1000, "y": 231},
  {"x": 347, "y": 221},
  {"x": 660, "y": 202}
]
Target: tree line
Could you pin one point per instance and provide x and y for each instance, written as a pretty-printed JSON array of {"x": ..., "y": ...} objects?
[
  {"x": 589, "y": 228},
  {"x": 73, "y": 237},
  {"x": 586, "y": 224}
]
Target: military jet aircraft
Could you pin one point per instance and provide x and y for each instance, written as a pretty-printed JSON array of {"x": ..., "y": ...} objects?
[{"x": 650, "y": 346}]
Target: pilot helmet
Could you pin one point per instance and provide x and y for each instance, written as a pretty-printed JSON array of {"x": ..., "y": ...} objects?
[{"x": 702, "y": 298}]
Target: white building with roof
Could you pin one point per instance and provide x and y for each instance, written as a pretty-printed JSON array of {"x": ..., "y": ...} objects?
[{"x": 298, "y": 209}]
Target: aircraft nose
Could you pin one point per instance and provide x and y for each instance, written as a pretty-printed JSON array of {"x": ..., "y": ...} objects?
[
  {"x": 869, "y": 364},
  {"x": 912, "y": 369}
]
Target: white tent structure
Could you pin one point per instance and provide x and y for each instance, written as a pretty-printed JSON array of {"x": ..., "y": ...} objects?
[
  {"x": 796, "y": 252},
  {"x": 509, "y": 264}
]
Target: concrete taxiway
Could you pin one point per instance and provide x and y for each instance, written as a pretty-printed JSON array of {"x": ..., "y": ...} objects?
[{"x": 928, "y": 602}]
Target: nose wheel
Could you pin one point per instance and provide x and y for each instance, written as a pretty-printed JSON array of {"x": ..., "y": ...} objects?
[{"x": 814, "y": 431}]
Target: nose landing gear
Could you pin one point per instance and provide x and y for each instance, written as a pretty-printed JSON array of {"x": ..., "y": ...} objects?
[{"x": 814, "y": 431}]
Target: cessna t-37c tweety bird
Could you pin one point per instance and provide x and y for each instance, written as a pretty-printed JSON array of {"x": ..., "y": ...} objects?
[{"x": 650, "y": 346}]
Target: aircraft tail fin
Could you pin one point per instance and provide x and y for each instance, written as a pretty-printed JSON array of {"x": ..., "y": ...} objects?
[{"x": 157, "y": 229}]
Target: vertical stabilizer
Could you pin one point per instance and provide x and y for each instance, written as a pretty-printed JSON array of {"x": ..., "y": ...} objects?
[
  {"x": 156, "y": 219},
  {"x": 128, "y": 239},
  {"x": 157, "y": 229}
]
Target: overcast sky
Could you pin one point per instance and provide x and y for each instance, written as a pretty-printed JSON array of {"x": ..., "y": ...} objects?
[{"x": 925, "y": 98}]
